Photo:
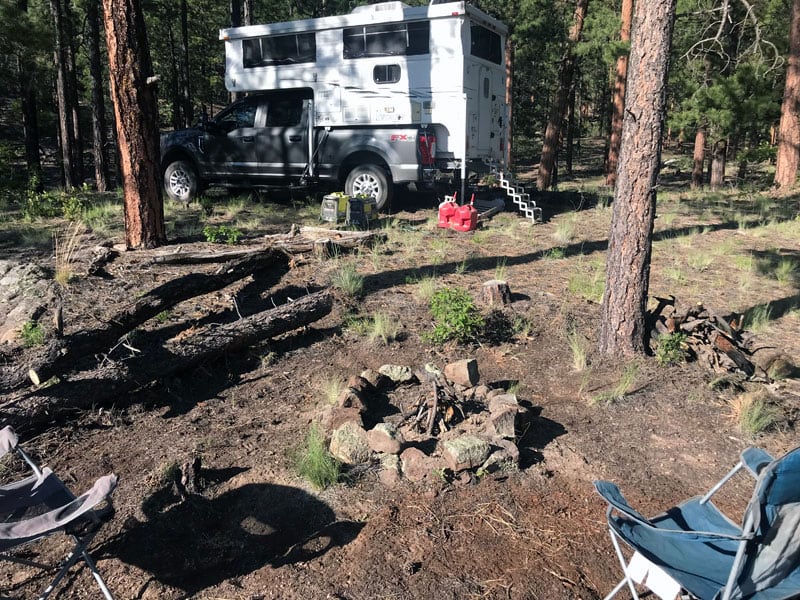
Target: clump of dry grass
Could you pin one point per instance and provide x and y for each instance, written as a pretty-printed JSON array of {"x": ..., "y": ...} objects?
[
  {"x": 66, "y": 243},
  {"x": 753, "y": 412}
]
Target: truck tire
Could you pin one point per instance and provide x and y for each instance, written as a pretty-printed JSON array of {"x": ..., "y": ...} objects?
[
  {"x": 372, "y": 180},
  {"x": 181, "y": 182}
]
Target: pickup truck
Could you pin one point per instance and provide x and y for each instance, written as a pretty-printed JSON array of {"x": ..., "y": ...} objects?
[{"x": 269, "y": 139}]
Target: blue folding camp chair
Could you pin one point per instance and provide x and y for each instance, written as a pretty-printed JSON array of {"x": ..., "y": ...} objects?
[
  {"x": 41, "y": 505},
  {"x": 695, "y": 548}
]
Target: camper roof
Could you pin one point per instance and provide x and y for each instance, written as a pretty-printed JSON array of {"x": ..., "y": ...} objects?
[{"x": 384, "y": 12}]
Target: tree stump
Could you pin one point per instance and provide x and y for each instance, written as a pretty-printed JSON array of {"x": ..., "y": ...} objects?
[{"x": 496, "y": 292}]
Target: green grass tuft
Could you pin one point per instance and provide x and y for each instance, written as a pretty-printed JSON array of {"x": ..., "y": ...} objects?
[{"x": 314, "y": 463}]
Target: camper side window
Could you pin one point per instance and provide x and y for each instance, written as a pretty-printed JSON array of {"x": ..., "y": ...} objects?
[
  {"x": 279, "y": 50},
  {"x": 386, "y": 73},
  {"x": 486, "y": 44},
  {"x": 391, "y": 39}
]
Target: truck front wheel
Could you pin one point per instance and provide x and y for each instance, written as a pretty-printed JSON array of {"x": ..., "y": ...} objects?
[
  {"x": 180, "y": 181},
  {"x": 371, "y": 180}
]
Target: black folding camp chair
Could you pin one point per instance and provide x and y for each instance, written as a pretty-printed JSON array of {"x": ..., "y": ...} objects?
[
  {"x": 695, "y": 548},
  {"x": 41, "y": 505}
]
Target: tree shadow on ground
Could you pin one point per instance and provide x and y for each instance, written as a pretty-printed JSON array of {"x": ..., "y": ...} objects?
[
  {"x": 201, "y": 542},
  {"x": 537, "y": 432}
]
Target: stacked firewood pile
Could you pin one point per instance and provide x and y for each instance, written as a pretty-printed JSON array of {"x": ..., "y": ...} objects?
[{"x": 715, "y": 341}]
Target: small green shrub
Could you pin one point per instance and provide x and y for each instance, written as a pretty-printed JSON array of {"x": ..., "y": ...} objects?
[
  {"x": 315, "y": 463},
  {"x": 457, "y": 318},
  {"x": 670, "y": 349},
  {"x": 217, "y": 234},
  {"x": 32, "y": 334}
]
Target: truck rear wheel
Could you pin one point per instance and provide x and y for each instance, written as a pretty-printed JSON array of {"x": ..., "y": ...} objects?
[
  {"x": 372, "y": 180},
  {"x": 180, "y": 181}
]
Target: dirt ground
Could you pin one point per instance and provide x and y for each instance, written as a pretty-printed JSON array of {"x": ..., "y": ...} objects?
[{"x": 257, "y": 530}]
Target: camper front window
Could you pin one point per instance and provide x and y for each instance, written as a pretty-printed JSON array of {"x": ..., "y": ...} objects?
[
  {"x": 390, "y": 39},
  {"x": 279, "y": 50}
]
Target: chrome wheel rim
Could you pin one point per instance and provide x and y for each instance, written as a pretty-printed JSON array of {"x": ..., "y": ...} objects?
[
  {"x": 366, "y": 184},
  {"x": 180, "y": 182}
]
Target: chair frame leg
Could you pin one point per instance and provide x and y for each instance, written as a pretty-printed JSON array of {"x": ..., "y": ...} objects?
[
  {"x": 624, "y": 564},
  {"x": 78, "y": 552}
]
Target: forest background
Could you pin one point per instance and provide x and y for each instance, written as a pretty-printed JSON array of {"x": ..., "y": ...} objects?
[{"x": 726, "y": 78}]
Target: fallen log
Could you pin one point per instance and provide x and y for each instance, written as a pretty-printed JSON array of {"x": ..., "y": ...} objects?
[
  {"x": 296, "y": 241},
  {"x": 60, "y": 355},
  {"x": 105, "y": 384}
]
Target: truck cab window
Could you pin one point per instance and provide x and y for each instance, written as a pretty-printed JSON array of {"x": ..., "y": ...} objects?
[
  {"x": 386, "y": 73},
  {"x": 237, "y": 117},
  {"x": 285, "y": 112}
]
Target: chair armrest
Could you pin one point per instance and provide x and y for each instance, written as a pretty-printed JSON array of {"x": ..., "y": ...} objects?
[
  {"x": 8, "y": 440},
  {"x": 62, "y": 516},
  {"x": 611, "y": 494},
  {"x": 616, "y": 501},
  {"x": 755, "y": 459}
]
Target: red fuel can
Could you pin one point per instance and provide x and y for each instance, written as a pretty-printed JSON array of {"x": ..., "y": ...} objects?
[
  {"x": 465, "y": 217},
  {"x": 447, "y": 211}
]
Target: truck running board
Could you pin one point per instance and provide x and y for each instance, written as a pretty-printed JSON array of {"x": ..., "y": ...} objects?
[{"x": 517, "y": 193}]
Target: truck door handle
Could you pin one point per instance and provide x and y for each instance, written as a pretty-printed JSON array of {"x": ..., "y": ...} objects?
[
  {"x": 248, "y": 138},
  {"x": 295, "y": 138}
]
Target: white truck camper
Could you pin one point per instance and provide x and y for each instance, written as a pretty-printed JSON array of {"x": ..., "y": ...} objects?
[
  {"x": 440, "y": 66},
  {"x": 386, "y": 95}
]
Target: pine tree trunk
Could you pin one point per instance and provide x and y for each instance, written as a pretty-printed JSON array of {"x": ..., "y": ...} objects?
[
  {"x": 568, "y": 154},
  {"x": 30, "y": 123},
  {"x": 176, "y": 103},
  {"x": 72, "y": 91},
  {"x": 718, "y": 162},
  {"x": 789, "y": 129},
  {"x": 618, "y": 101},
  {"x": 249, "y": 12},
  {"x": 699, "y": 157},
  {"x": 136, "y": 119},
  {"x": 188, "y": 109},
  {"x": 98, "y": 98},
  {"x": 566, "y": 71},
  {"x": 65, "y": 131},
  {"x": 509, "y": 101},
  {"x": 622, "y": 328}
]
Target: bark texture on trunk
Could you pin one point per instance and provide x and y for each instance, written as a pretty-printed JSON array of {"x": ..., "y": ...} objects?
[
  {"x": 65, "y": 123},
  {"x": 699, "y": 157},
  {"x": 136, "y": 119},
  {"x": 566, "y": 71},
  {"x": 63, "y": 354},
  {"x": 105, "y": 383},
  {"x": 98, "y": 98},
  {"x": 30, "y": 123},
  {"x": 718, "y": 162},
  {"x": 622, "y": 329},
  {"x": 188, "y": 109},
  {"x": 789, "y": 129},
  {"x": 618, "y": 98}
]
